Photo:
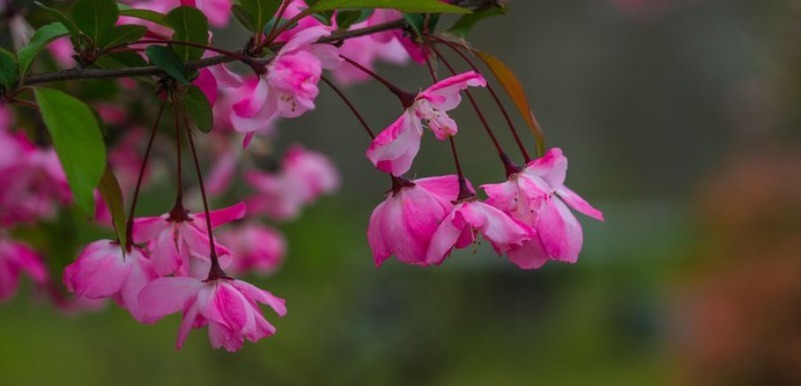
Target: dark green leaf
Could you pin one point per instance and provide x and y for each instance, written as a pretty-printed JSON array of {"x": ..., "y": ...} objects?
[
  {"x": 345, "y": 19},
  {"x": 166, "y": 59},
  {"x": 144, "y": 14},
  {"x": 282, "y": 24},
  {"x": 324, "y": 17},
  {"x": 244, "y": 17},
  {"x": 120, "y": 60},
  {"x": 261, "y": 11},
  {"x": 58, "y": 15},
  {"x": 416, "y": 6},
  {"x": 199, "y": 108},
  {"x": 463, "y": 26},
  {"x": 95, "y": 17},
  {"x": 41, "y": 38},
  {"x": 190, "y": 25},
  {"x": 112, "y": 195},
  {"x": 122, "y": 34},
  {"x": 77, "y": 140},
  {"x": 8, "y": 69}
]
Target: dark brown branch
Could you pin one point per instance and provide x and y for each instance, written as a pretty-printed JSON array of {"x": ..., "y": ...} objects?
[{"x": 93, "y": 73}]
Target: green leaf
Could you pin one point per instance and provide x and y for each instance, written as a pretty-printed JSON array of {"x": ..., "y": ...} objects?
[
  {"x": 144, "y": 14},
  {"x": 60, "y": 16},
  {"x": 120, "y": 60},
  {"x": 199, "y": 108},
  {"x": 77, "y": 140},
  {"x": 244, "y": 17},
  {"x": 517, "y": 93},
  {"x": 167, "y": 60},
  {"x": 416, "y": 6},
  {"x": 95, "y": 17},
  {"x": 345, "y": 19},
  {"x": 190, "y": 25},
  {"x": 112, "y": 194},
  {"x": 421, "y": 22},
  {"x": 261, "y": 11},
  {"x": 40, "y": 39},
  {"x": 8, "y": 69},
  {"x": 466, "y": 23},
  {"x": 123, "y": 34}
]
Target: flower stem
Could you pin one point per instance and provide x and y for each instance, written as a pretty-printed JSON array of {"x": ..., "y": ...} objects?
[
  {"x": 464, "y": 191},
  {"x": 215, "y": 272},
  {"x": 132, "y": 212},
  {"x": 350, "y": 106},
  {"x": 178, "y": 212},
  {"x": 473, "y": 102},
  {"x": 492, "y": 92},
  {"x": 406, "y": 98}
]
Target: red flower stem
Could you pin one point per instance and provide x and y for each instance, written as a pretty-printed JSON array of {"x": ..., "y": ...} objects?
[
  {"x": 475, "y": 105},
  {"x": 271, "y": 36},
  {"x": 492, "y": 92},
  {"x": 233, "y": 55},
  {"x": 406, "y": 98},
  {"x": 291, "y": 22},
  {"x": 464, "y": 191},
  {"x": 350, "y": 106},
  {"x": 132, "y": 212},
  {"x": 215, "y": 272},
  {"x": 178, "y": 211}
]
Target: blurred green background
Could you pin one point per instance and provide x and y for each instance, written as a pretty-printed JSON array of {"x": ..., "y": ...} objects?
[{"x": 680, "y": 122}]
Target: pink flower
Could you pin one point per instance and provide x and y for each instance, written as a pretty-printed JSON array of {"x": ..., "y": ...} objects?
[
  {"x": 394, "y": 149},
  {"x": 179, "y": 242},
  {"x": 537, "y": 196},
  {"x": 229, "y": 308},
  {"x": 102, "y": 271},
  {"x": 290, "y": 86},
  {"x": 471, "y": 216},
  {"x": 256, "y": 248},
  {"x": 218, "y": 11},
  {"x": 32, "y": 180},
  {"x": 366, "y": 50},
  {"x": 15, "y": 259},
  {"x": 304, "y": 176},
  {"x": 405, "y": 222}
]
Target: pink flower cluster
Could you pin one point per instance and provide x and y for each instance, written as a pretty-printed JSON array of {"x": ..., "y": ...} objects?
[
  {"x": 525, "y": 218},
  {"x": 33, "y": 184},
  {"x": 173, "y": 263}
]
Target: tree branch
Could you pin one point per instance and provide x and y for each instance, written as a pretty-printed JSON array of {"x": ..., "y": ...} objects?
[{"x": 95, "y": 73}]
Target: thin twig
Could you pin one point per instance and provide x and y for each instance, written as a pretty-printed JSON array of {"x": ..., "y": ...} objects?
[{"x": 94, "y": 73}]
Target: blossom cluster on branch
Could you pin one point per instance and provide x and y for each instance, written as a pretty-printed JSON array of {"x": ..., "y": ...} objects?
[{"x": 58, "y": 150}]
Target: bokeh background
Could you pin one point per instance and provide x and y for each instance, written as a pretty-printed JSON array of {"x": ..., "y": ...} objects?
[{"x": 680, "y": 120}]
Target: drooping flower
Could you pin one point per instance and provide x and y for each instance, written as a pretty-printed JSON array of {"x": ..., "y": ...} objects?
[
  {"x": 229, "y": 307},
  {"x": 303, "y": 177},
  {"x": 394, "y": 149},
  {"x": 102, "y": 271},
  {"x": 537, "y": 196},
  {"x": 179, "y": 240},
  {"x": 256, "y": 248},
  {"x": 469, "y": 217},
  {"x": 404, "y": 223},
  {"x": 16, "y": 259}
]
